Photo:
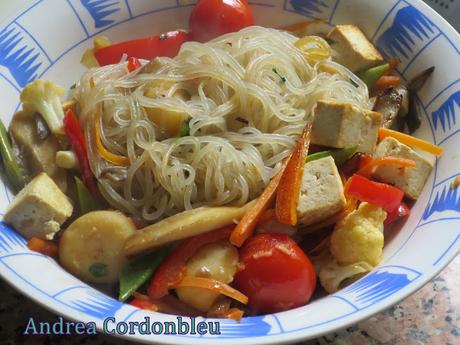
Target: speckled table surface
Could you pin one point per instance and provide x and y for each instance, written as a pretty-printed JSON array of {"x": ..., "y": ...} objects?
[{"x": 430, "y": 316}]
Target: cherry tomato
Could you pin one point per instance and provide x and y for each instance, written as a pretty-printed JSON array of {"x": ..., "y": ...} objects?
[
  {"x": 274, "y": 273},
  {"x": 212, "y": 18}
]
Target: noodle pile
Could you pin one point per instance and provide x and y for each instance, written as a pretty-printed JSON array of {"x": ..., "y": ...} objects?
[{"x": 248, "y": 96}]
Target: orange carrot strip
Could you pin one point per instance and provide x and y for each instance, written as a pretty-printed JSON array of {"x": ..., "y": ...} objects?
[
  {"x": 234, "y": 314},
  {"x": 247, "y": 224},
  {"x": 213, "y": 285},
  {"x": 368, "y": 169},
  {"x": 393, "y": 62},
  {"x": 411, "y": 141},
  {"x": 388, "y": 81},
  {"x": 44, "y": 247},
  {"x": 287, "y": 196},
  {"x": 106, "y": 154}
]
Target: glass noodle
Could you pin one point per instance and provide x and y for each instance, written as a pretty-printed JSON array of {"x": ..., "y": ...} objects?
[{"x": 248, "y": 95}]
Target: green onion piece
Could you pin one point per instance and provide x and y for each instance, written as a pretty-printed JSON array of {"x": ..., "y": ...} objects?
[
  {"x": 98, "y": 269},
  {"x": 340, "y": 156},
  {"x": 371, "y": 75},
  {"x": 185, "y": 128},
  {"x": 318, "y": 155},
  {"x": 13, "y": 171},
  {"x": 86, "y": 200},
  {"x": 138, "y": 271}
]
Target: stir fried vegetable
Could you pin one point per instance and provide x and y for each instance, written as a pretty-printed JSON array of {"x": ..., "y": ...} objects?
[
  {"x": 218, "y": 261},
  {"x": 44, "y": 247},
  {"x": 106, "y": 154},
  {"x": 171, "y": 271},
  {"x": 212, "y": 18},
  {"x": 44, "y": 97},
  {"x": 213, "y": 285},
  {"x": 369, "y": 168},
  {"x": 288, "y": 192},
  {"x": 87, "y": 201},
  {"x": 13, "y": 172},
  {"x": 414, "y": 85},
  {"x": 92, "y": 246},
  {"x": 133, "y": 64},
  {"x": 275, "y": 273},
  {"x": 138, "y": 271},
  {"x": 246, "y": 226},
  {"x": 411, "y": 141},
  {"x": 370, "y": 76},
  {"x": 167, "y": 44},
  {"x": 340, "y": 155},
  {"x": 77, "y": 141},
  {"x": 359, "y": 236},
  {"x": 183, "y": 225},
  {"x": 380, "y": 194},
  {"x": 402, "y": 211}
]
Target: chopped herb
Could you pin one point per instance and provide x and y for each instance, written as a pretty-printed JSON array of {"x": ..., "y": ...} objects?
[
  {"x": 283, "y": 79},
  {"x": 330, "y": 41},
  {"x": 98, "y": 269}
]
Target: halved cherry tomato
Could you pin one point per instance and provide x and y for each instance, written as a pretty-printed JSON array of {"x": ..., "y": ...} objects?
[
  {"x": 274, "y": 273},
  {"x": 212, "y": 18},
  {"x": 167, "y": 44}
]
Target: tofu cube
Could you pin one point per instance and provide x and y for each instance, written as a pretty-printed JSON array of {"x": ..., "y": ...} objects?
[
  {"x": 39, "y": 209},
  {"x": 409, "y": 180},
  {"x": 352, "y": 48},
  {"x": 340, "y": 124},
  {"x": 321, "y": 194}
]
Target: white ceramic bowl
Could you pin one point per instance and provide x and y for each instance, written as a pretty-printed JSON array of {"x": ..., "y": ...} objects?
[{"x": 47, "y": 40}]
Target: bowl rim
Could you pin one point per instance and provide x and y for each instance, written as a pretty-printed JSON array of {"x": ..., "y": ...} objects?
[{"x": 283, "y": 338}]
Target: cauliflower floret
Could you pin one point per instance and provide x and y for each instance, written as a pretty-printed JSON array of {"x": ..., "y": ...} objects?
[
  {"x": 333, "y": 276},
  {"x": 359, "y": 236},
  {"x": 44, "y": 97}
]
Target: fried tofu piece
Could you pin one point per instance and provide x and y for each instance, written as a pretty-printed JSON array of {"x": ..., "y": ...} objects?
[
  {"x": 410, "y": 180},
  {"x": 321, "y": 193},
  {"x": 39, "y": 209},
  {"x": 353, "y": 49},
  {"x": 341, "y": 124}
]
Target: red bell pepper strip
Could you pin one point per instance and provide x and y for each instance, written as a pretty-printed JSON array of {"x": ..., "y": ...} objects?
[
  {"x": 380, "y": 194},
  {"x": 77, "y": 141},
  {"x": 133, "y": 64},
  {"x": 402, "y": 211},
  {"x": 167, "y": 44},
  {"x": 171, "y": 272}
]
